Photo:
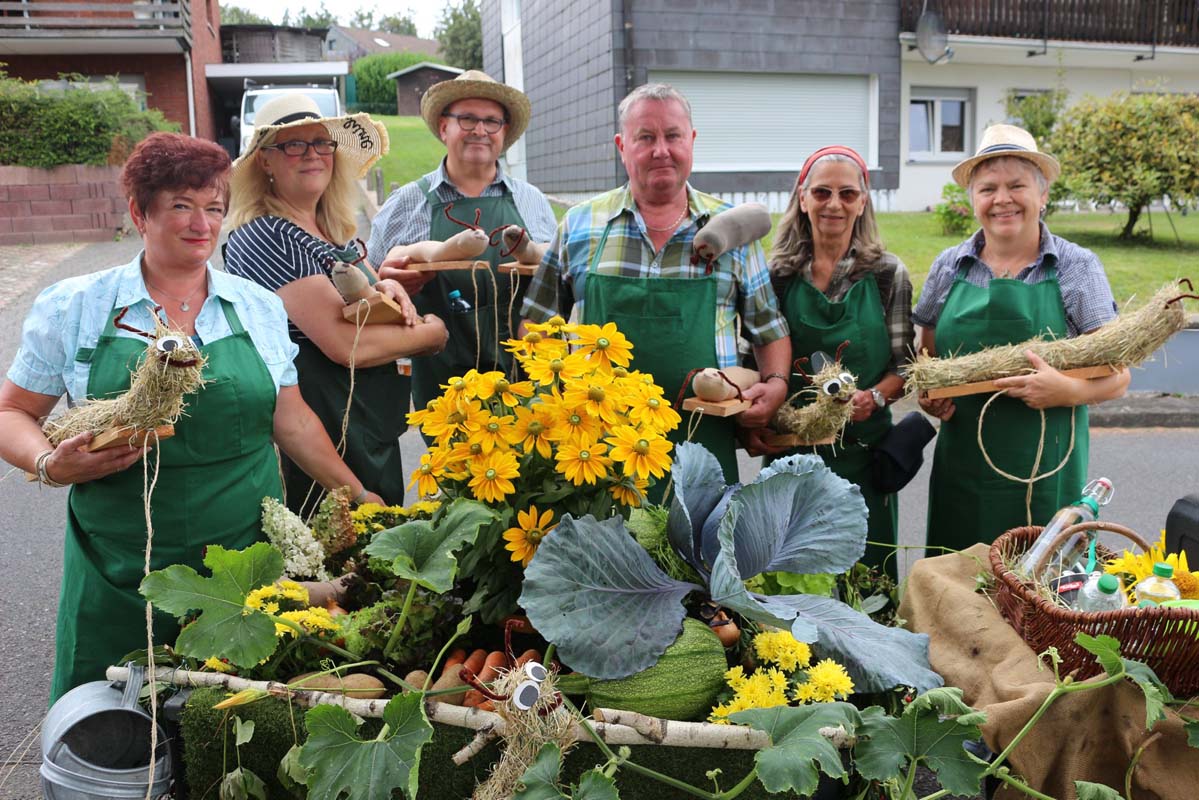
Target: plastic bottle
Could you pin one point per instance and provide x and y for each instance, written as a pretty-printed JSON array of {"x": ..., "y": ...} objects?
[
  {"x": 458, "y": 303},
  {"x": 1101, "y": 593},
  {"x": 1095, "y": 494},
  {"x": 1158, "y": 587}
]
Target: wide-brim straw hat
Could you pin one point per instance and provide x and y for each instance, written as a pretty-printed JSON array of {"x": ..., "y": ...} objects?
[
  {"x": 361, "y": 141},
  {"x": 475, "y": 83},
  {"x": 1007, "y": 140}
]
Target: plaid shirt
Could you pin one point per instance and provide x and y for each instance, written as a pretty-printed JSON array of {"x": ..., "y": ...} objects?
[
  {"x": 895, "y": 292},
  {"x": 742, "y": 289},
  {"x": 1086, "y": 294}
]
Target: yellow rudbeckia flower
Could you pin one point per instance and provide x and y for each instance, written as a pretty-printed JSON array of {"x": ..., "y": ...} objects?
[
  {"x": 491, "y": 477},
  {"x": 583, "y": 460},
  {"x": 643, "y": 454},
  {"x": 524, "y": 539}
]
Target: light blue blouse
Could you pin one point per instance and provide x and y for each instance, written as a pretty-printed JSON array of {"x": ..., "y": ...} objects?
[{"x": 72, "y": 314}]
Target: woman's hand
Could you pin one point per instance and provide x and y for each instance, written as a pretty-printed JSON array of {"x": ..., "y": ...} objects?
[
  {"x": 371, "y": 497},
  {"x": 1045, "y": 388},
  {"x": 942, "y": 408},
  {"x": 395, "y": 291},
  {"x": 863, "y": 405},
  {"x": 396, "y": 268},
  {"x": 70, "y": 463},
  {"x": 441, "y": 339},
  {"x": 754, "y": 442}
]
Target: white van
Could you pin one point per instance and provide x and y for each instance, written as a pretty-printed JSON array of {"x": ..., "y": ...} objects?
[{"x": 256, "y": 97}]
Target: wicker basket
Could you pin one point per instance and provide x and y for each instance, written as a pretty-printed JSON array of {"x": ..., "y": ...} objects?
[{"x": 1167, "y": 639}]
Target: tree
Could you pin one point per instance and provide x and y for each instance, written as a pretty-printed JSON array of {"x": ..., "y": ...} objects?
[
  {"x": 460, "y": 32},
  {"x": 234, "y": 15},
  {"x": 1131, "y": 149},
  {"x": 321, "y": 18},
  {"x": 363, "y": 18},
  {"x": 401, "y": 24}
]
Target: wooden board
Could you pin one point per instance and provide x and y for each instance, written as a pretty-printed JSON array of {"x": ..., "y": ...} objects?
[
  {"x": 981, "y": 387},
  {"x": 380, "y": 310},
  {"x": 791, "y": 440},
  {"x": 442, "y": 266},
  {"x": 517, "y": 267},
  {"x": 121, "y": 436},
  {"x": 721, "y": 408}
]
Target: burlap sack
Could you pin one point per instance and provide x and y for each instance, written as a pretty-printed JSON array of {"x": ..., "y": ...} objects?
[{"x": 1089, "y": 736}]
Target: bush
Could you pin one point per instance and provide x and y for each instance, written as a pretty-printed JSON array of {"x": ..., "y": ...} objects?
[
  {"x": 378, "y": 109},
  {"x": 955, "y": 215},
  {"x": 44, "y": 127},
  {"x": 374, "y": 87}
]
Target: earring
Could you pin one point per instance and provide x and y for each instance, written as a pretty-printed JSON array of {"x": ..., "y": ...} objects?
[{"x": 270, "y": 179}]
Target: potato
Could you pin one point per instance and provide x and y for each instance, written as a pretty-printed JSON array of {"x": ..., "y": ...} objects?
[
  {"x": 355, "y": 684},
  {"x": 417, "y": 678},
  {"x": 450, "y": 679}
]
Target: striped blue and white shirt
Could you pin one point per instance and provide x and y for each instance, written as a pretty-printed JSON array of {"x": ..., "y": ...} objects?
[
  {"x": 72, "y": 314},
  {"x": 404, "y": 218},
  {"x": 1086, "y": 294}
]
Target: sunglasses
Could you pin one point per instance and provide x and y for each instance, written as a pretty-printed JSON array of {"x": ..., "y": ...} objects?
[
  {"x": 823, "y": 194},
  {"x": 299, "y": 147}
]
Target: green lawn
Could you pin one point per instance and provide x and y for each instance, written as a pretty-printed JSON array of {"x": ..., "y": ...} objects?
[{"x": 413, "y": 152}]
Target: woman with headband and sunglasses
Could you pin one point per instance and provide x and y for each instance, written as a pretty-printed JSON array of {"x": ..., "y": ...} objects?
[
  {"x": 293, "y": 218},
  {"x": 836, "y": 283}
]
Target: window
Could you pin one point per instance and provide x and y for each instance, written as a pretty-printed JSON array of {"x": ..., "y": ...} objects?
[{"x": 939, "y": 122}]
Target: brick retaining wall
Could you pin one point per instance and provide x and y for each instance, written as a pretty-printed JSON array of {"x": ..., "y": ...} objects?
[{"x": 66, "y": 204}]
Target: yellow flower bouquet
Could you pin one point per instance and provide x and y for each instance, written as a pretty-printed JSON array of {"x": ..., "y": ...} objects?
[{"x": 584, "y": 434}]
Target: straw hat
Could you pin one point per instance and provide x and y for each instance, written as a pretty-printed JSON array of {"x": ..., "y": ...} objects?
[
  {"x": 360, "y": 140},
  {"x": 1007, "y": 140},
  {"x": 475, "y": 83}
]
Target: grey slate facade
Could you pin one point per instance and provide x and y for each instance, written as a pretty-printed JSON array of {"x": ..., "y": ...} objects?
[{"x": 575, "y": 56}]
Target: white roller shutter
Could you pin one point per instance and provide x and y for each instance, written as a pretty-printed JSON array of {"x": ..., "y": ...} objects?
[{"x": 750, "y": 122}]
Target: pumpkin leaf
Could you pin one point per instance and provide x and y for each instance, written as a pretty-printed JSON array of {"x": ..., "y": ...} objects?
[
  {"x": 291, "y": 773},
  {"x": 423, "y": 550},
  {"x": 1106, "y": 650},
  {"x": 225, "y": 628},
  {"x": 340, "y": 763},
  {"x": 1191, "y": 726},
  {"x": 933, "y": 731},
  {"x": 540, "y": 780},
  {"x": 1095, "y": 791},
  {"x": 596, "y": 593},
  {"x": 798, "y": 751},
  {"x": 243, "y": 731},
  {"x": 698, "y": 488},
  {"x": 241, "y": 784}
]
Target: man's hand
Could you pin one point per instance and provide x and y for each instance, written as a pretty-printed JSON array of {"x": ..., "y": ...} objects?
[
  {"x": 395, "y": 267},
  {"x": 754, "y": 442},
  {"x": 942, "y": 408},
  {"x": 766, "y": 398},
  {"x": 863, "y": 405},
  {"x": 1045, "y": 388}
]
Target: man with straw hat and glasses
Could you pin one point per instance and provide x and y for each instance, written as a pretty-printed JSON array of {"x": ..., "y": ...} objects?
[
  {"x": 1012, "y": 280},
  {"x": 477, "y": 119}
]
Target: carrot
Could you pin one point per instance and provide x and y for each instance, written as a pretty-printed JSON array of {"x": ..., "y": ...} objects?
[
  {"x": 526, "y": 656},
  {"x": 490, "y": 671},
  {"x": 486, "y": 705},
  {"x": 474, "y": 662},
  {"x": 456, "y": 657}
]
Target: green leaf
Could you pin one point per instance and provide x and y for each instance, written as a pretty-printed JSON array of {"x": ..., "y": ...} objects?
[
  {"x": 1191, "y": 726},
  {"x": 540, "y": 780},
  {"x": 225, "y": 628},
  {"x": 340, "y": 762},
  {"x": 798, "y": 753},
  {"x": 243, "y": 731},
  {"x": 241, "y": 784},
  {"x": 1096, "y": 791},
  {"x": 933, "y": 729},
  {"x": 423, "y": 550},
  {"x": 1107, "y": 651},
  {"x": 292, "y": 774},
  {"x": 595, "y": 785}
]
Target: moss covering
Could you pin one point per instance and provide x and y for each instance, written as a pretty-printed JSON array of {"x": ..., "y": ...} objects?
[{"x": 440, "y": 779}]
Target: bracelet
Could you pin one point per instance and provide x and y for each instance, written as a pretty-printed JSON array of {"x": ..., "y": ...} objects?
[
  {"x": 361, "y": 497},
  {"x": 42, "y": 475},
  {"x": 778, "y": 375}
]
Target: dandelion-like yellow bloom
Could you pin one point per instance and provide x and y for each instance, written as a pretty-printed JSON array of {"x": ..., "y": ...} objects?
[
  {"x": 629, "y": 491},
  {"x": 427, "y": 507},
  {"x": 780, "y": 647},
  {"x": 643, "y": 454},
  {"x": 491, "y": 432},
  {"x": 531, "y": 429},
  {"x": 530, "y": 529},
  {"x": 291, "y": 590},
  {"x": 491, "y": 477},
  {"x": 583, "y": 460},
  {"x": 312, "y": 620},
  {"x": 263, "y": 596},
  {"x": 604, "y": 344},
  {"x": 216, "y": 665},
  {"x": 827, "y": 680},
  {"x": 425, "y": 477},
  {"x": 765, "y": 688}
]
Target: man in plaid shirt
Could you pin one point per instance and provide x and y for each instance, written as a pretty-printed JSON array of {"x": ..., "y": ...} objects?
[{"x": 625, "y": 257}]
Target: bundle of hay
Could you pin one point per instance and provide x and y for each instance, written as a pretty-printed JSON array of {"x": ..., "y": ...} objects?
[{"x": 1126, "y": 341}]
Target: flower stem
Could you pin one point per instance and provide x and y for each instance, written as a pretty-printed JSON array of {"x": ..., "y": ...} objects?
[
  {"x": 1132, "y": 765},
  {"x": 908, "y": 781},
  {"x": 394, "y": 640},
  {"x": 1020, "y": 785},
  {"x": 744, "y": 784}
]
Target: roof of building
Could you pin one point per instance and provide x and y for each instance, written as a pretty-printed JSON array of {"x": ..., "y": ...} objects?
[
  {"x": 425, "y": 65},
  {"x": 380, "y": 42}
]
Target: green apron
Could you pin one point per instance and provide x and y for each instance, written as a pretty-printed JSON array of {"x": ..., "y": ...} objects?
[
  {"x": 968, "y": 502},
  {"x": 671, "y": 323},
  {"x": 819, "y": 324},
  {"x": 487, "y": 299},
  {"x": 212, "y": 476},
  {"x": 377, "y": 418}
]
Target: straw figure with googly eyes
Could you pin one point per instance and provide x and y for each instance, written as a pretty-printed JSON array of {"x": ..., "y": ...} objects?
[
  {"x": 831, "y": 409},
  {"x": 170, "y": 369}
]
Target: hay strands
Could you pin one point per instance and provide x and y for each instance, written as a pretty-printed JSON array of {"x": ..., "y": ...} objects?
[
  {"x": 823, "y": 419},
  {"x": 1126, "y": 341}
]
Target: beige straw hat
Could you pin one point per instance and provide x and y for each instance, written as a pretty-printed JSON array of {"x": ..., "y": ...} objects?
[
  {"x": 1007, "y": 140},
  {"x": 360, "y": 140},
  {"x": 475, "y": 83}
]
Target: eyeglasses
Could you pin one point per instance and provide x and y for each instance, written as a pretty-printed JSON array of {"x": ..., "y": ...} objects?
[
  {"x": 823, "y": 194},
  {"x": 467, "y": 122},
  {"x": 299, "y": 147}
]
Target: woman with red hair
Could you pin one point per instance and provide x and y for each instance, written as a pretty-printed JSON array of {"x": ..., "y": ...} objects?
[{"x": 214, "y": 472}]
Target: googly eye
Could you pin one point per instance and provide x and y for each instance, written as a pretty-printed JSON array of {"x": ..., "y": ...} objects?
[
  {"x": 846, "y": 378},
  {"x": 535, "y": 671},
  {"x": 169, "y": 344},
  {"x": 526, "y": 695},
  {"x": 832, "y": 388}
]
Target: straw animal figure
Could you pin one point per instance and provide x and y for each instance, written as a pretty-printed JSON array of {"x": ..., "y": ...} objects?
[
  {"x": 169, "y": 370},
  {"x": 827, "y": 415},
  {"x": 1126, "y": 341}
]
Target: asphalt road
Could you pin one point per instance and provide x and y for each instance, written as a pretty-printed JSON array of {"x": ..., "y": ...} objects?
[{"x": 1151, "y": 468}]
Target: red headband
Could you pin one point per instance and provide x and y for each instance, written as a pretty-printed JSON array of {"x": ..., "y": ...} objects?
[{"x": 831, "y": 150}]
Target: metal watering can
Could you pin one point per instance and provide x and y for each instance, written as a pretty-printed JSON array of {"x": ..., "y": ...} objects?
[{"x": 96, "y": 744}]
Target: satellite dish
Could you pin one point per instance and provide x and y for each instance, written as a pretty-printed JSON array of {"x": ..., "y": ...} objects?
[{"x": 931, "y": 39}]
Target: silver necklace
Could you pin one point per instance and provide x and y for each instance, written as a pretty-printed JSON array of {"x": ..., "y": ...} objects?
[
  {"x": 183, "y": 302},
  {"x": 671, "y": 227}
]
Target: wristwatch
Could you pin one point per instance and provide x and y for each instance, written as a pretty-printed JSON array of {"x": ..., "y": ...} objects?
[{"x": 880, "y": 400}]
